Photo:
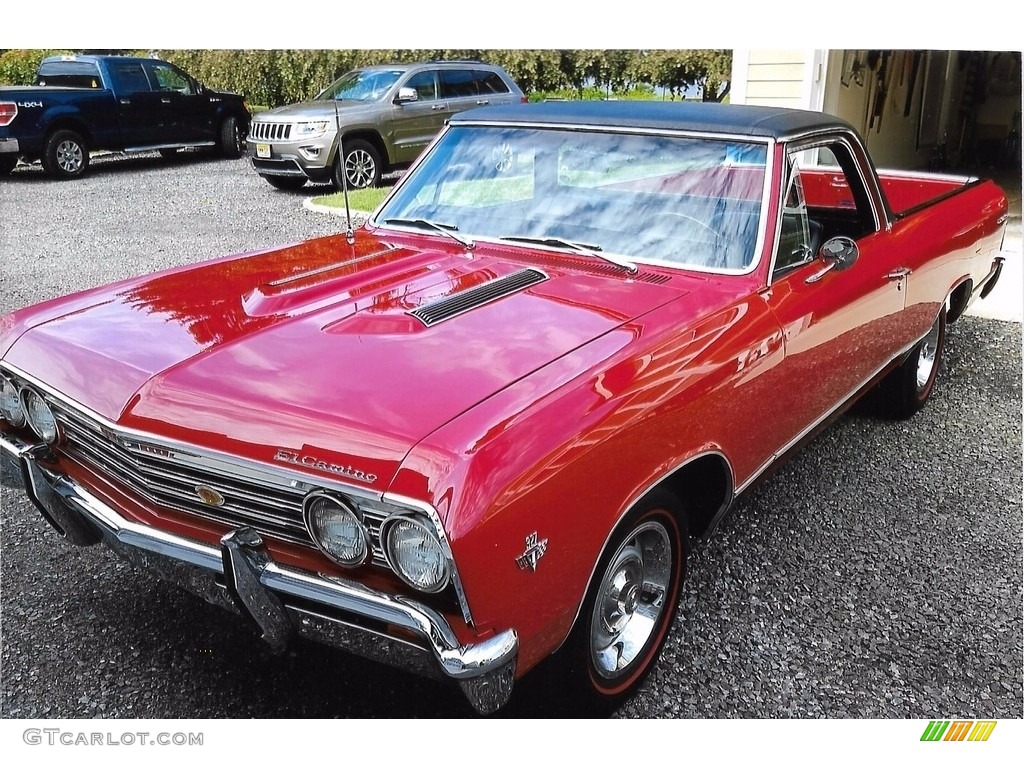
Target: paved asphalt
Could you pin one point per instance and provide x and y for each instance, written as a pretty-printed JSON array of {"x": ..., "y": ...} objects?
[{"x": 877, "y": 575}]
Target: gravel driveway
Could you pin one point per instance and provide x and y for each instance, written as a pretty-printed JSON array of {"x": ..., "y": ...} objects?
[{"x": 878, "y": 575}]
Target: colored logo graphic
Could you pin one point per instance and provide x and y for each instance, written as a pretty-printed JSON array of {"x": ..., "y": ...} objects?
[{"x": 958, "y": 730}]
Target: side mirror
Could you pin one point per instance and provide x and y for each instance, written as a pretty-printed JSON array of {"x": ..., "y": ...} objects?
[
  {"x": 838, "y": 253},
  {"x": 841, "y": 252},
  {"x": 406, "y": 95}
]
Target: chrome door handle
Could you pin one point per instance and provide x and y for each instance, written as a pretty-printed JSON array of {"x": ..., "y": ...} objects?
[
  {"x": 438, "y": 107},
  {"x": 126, "y": 101},
  {"x": 166, "y": 100},
  {"x": 898, "y": 273},
  {"x": 483, "y": 102}
]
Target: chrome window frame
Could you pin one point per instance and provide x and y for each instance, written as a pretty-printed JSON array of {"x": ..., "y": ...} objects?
[{"x": 766, "y": 188}]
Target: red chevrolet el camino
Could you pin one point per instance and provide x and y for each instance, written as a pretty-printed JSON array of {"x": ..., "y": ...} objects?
[{"x": 480, "y": 429}]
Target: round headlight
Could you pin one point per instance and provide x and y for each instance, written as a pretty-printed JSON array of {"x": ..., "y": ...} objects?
[
  {"x": 10, "y": 403},
  {"x": 415, "y": 553},
  {"x": 39, "y": 415},
  {"x": 336, "y": 529}
]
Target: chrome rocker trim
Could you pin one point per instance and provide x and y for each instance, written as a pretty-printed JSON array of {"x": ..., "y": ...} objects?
[{"x": 282, "y": 601}]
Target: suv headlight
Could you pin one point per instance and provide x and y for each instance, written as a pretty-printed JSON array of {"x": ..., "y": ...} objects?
[
  {"x": 414, "y": 552},
  {"x": 336, "y": 528},
  {"x": 307, "y": 130}
]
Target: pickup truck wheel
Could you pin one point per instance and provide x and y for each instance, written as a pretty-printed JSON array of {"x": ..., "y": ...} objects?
[
  {"x": 230, "y": 137},
  {"x": 286, "y": 182},
  {"x": 630, "y": 603},
  {"x": 905, "y": 391},
  {"x": 7, "y": 163},
  {"x": 362, "y": 162},
  {"x": 65, "y": 155}
]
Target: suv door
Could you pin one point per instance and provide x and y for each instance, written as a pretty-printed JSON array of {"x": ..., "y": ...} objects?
[
  {"x": 470, "y": 88},
  {"x": 415, "y": 123}
]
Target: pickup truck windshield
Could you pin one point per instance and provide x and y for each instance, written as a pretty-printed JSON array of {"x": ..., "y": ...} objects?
[
  {"x": 360, "y": 85},
  {"x": 690, "y": 202}
]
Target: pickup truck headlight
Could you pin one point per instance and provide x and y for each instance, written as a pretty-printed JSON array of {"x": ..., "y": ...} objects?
[
  {"x": 39, "y": 416},
  {"x": 336, "y": 528},
  {"x": 306, "y": 130},
  {"x": 10, "y": 403},
  {"x": 414, "y": 551}
]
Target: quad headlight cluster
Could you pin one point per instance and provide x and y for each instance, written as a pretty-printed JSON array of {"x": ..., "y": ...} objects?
[
  {"x": 23, "y": 405},
  {"x": 408, "y": 540}
]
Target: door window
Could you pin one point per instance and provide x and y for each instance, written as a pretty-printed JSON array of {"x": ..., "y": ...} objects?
[{"x": 425, "y": 85}]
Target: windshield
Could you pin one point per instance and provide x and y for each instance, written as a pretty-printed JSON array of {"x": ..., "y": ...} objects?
[
  {"x": 360, "y": 85},
  {"x": 683, "y": 201}
]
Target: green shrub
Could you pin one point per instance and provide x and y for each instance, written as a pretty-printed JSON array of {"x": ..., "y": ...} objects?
[{"x": 18, "y": 67}]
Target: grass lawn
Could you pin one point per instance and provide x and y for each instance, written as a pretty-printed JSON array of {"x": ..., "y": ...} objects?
[{"x": 365, "y": 200}]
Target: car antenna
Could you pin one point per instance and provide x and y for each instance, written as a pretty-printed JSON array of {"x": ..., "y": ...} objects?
[{"x": 350, "y": 236}]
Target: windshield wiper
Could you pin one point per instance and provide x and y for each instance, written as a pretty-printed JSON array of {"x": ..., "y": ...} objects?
[
  {"x": 448, "y": 230},
  {"x": 576, "y": 247}
]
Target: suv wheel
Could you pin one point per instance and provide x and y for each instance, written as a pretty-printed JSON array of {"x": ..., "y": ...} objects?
[{"x": 362, "y": 164}]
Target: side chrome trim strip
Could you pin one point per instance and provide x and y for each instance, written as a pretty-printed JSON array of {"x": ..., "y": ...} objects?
[{"x": 786, "y": 448}]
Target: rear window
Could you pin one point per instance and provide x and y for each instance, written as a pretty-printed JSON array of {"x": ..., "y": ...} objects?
[{"x": 69, "y": 74}]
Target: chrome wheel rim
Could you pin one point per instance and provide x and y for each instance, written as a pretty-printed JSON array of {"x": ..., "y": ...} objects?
[
  {"x": 360, "y": 168},
  {"x": 69, "y": 156},
  {"x": 630, "y": 600},
  {"x": 926, "y": 358}
]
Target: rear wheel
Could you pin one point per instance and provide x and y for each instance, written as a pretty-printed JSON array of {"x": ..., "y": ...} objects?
[
  {"x": 65, "y": 155},
  {"x": 907, "y": 388},
  {"x": 7, "y": 163},
  {"x": 630, "y": 603},
  {"x": 362, "y": 164},
  {"x": 290, "y": 183}
]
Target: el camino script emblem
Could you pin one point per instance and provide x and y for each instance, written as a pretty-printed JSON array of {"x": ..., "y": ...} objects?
[
  {"x": 209, "y": 496},
  {"x": 534, "y": 552},
  {"x": 312, "y": 462}
]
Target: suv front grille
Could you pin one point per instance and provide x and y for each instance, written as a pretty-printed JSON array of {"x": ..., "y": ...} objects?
[{"x": 268, "y": 131}]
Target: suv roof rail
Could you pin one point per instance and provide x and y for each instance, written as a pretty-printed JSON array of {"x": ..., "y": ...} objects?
[{"x": 457, "y": 61}]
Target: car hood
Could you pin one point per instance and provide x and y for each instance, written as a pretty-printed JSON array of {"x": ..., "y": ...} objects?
[
  {"x": 314, "y": 110},
  {"x": 310, "y": 354}
]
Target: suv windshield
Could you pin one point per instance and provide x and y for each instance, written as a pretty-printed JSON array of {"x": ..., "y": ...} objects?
[
  {"x": 360, "y": 85},
  {"x": 692, "y": 202}
]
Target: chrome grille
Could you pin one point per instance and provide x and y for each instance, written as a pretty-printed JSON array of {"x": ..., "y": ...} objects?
[
  {"x": 268, "y": 131},
  {"x": 168, "y": 477}
]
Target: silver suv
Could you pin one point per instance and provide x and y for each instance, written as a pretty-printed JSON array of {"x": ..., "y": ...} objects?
[{"x": 387, "y": 113}]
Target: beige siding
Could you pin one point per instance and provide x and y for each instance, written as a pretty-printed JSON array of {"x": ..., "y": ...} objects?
[{"x": 776, "y": 78}]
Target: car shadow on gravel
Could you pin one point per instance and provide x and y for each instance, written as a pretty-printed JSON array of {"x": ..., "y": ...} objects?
[{"x": 109, "y": 164}]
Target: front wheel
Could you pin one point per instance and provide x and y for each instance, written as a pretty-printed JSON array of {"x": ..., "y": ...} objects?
[
  {"x": 231, "y": 141},
  {"x": 905, "y": 390},
  {"x": 631, "y": 602},
  {"x": 66, "y": 155},
  {"x": 362, "y": 164}
]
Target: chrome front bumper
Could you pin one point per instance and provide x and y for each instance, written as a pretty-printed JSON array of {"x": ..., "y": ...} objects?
[{"x": 239, "y": 575}]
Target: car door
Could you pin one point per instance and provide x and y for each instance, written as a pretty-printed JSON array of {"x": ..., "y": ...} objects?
[
  {"x": 841, "y": 324},
  {"x": 139, "y": 110},
  {"x": 461, "y": 87},
  {"x": 187, "y": 113},
  {"x": 416, "y": 123}
]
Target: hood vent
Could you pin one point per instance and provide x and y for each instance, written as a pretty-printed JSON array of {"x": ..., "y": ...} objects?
[{"x": 450, "y": 306}]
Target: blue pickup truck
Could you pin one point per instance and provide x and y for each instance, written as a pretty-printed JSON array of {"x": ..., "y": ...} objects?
[{"x": 120, "y": 103}]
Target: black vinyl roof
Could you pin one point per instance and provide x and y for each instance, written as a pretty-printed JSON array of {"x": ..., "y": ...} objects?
[{"x": 696, "y": 116}]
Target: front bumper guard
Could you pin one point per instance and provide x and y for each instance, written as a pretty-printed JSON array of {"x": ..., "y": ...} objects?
[{"x": 282, "y": 601}]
